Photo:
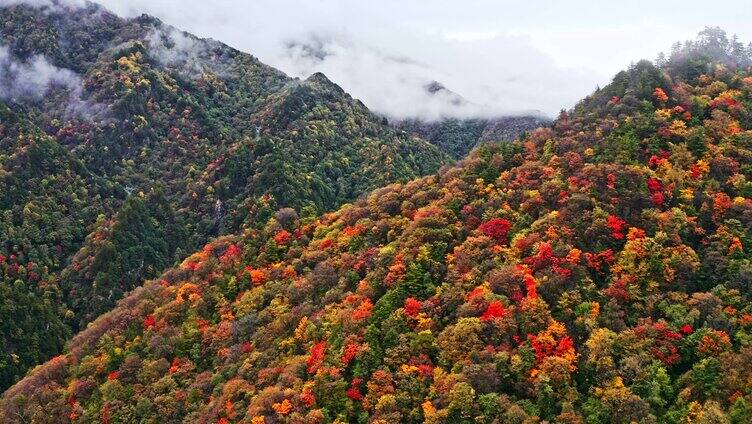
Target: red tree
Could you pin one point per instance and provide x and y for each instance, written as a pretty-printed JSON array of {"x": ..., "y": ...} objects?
[{"x": 497, "y": 229}]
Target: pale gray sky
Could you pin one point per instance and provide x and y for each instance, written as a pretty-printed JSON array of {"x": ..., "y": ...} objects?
[{"x": 505, "y": 55}]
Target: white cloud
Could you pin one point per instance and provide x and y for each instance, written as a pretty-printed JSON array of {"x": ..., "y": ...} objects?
[
  {"x": 500, "y": 75},
  {"x": 183, "y": 52},
  {"x": 32, "y": 78}
]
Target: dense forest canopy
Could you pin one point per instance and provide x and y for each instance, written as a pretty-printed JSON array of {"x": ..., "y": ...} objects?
[{"x": 595, "y": 271}]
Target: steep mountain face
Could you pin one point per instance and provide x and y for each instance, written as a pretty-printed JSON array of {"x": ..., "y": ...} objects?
[
  {"x": 127, "y": 144},
  {"x": 596, "y": 271},
  {"x": 459, "y": 136}
]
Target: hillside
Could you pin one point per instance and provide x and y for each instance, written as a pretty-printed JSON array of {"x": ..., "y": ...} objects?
[
  {"x": 597, "y": 271},
  {"x": 127, "y": 144}
]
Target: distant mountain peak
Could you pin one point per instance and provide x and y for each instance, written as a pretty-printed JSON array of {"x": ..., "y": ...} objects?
[
  {"x": 434, "y": 86},
  {"x": 322, "y": 79}
]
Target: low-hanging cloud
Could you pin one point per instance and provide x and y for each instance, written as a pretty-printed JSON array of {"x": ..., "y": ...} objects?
[
  {"x": 437, "y": 85},
  {"x": 396, "y": 86},
  {"x": 184, "y": 53},
  {"x": 31, "y": 80}
]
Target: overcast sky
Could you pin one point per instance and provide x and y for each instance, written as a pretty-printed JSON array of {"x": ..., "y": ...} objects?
[{"x": 506, "y": 56}]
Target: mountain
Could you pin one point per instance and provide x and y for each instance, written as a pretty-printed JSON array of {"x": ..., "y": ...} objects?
[
  {"x": 437, "y": 89},
  {"x": 596, "y": 271},
  {"x": 127, "y": 144},
  {"x": 459, "y": 136}
]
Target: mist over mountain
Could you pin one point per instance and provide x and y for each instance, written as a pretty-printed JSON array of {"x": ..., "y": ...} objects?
[
  {"x": 475, "y": 125},
  {"x": 396, "y": 86},
  {"x": 385, "y": 53}
]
